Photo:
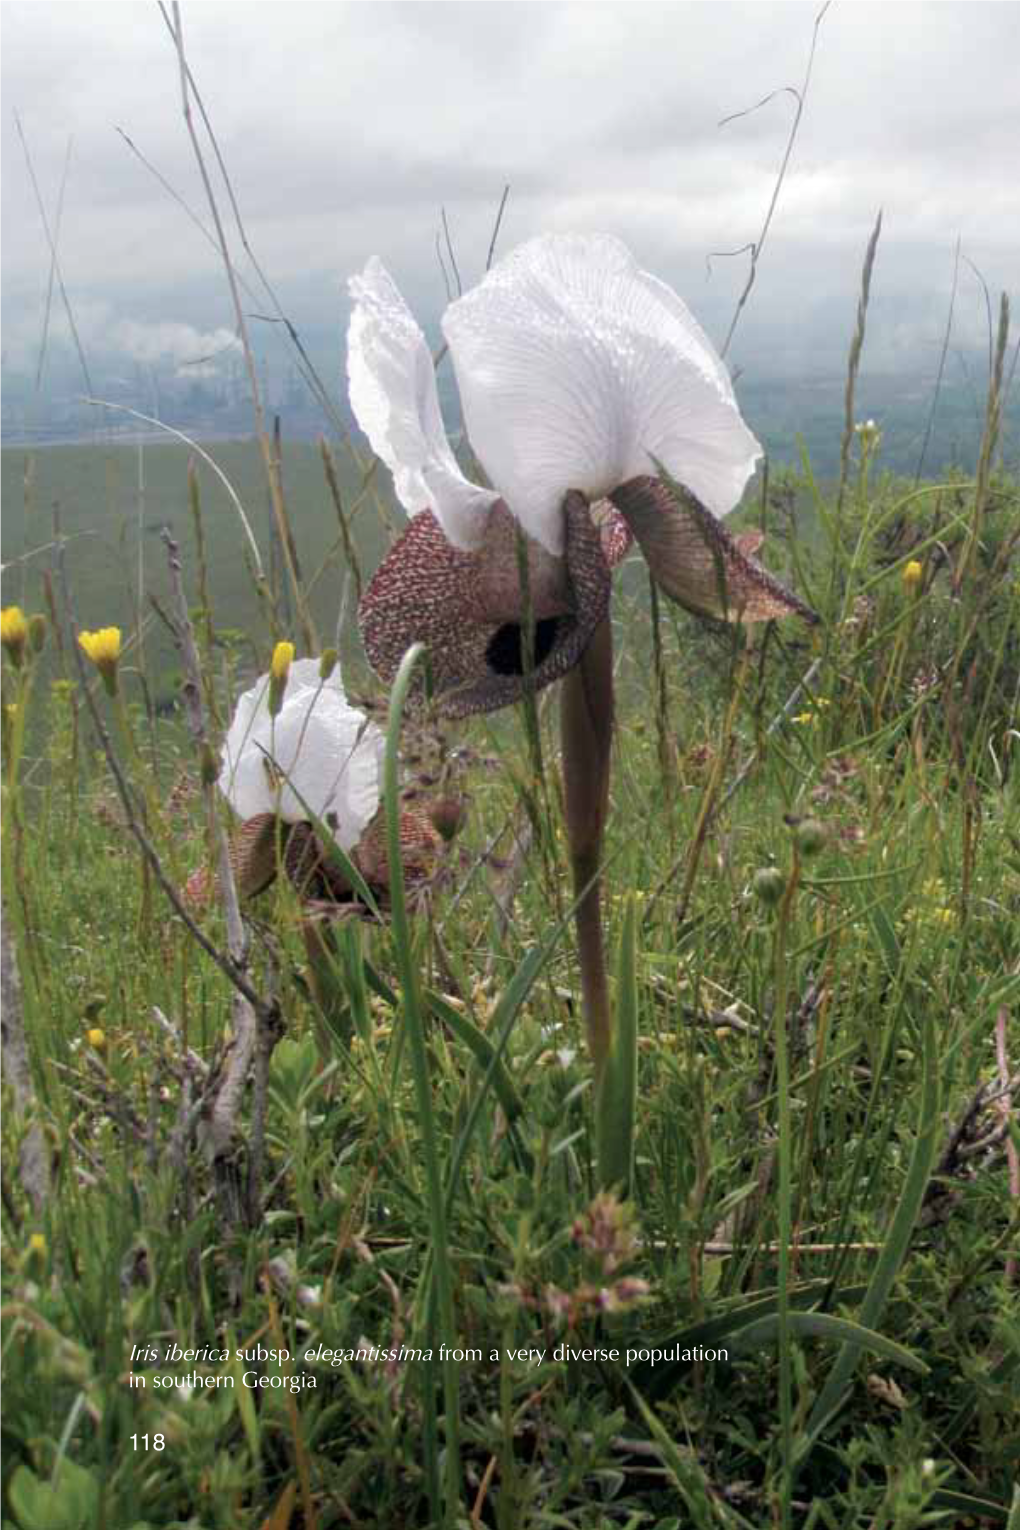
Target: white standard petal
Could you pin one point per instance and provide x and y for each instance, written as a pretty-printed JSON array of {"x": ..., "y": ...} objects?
[
  {"x": 322, "y": 749},
  {"x": 576, "y": 369},
  {"x": 395, "y": 401}
]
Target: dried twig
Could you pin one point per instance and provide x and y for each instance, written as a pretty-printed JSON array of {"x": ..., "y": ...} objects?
[
  {"x": 1005, "y": 1111},
  {"x": 255, "y": 1021},
  {"x": 941, "y": 369},
  {"x": 969, "y": 1139},
  {"x": 33, "y": 1164},
  {"x": 757, "y": 247},
  {"x": 270, "y": 462}
]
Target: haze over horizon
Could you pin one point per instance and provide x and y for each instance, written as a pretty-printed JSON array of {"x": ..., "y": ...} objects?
[{"x": 348, "y": 130}]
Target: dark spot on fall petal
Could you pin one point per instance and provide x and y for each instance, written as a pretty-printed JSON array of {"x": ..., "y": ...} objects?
[
  {"x": 505, "y": 653},
  {"x": 466, "y": 607}
]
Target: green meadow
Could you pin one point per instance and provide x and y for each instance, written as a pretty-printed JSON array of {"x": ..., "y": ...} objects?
[
  {"x": 799, "y": 1302},
  {"x": 112, "y": 502}
]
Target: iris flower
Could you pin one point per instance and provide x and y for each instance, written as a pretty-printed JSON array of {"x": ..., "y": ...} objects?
[
  {"x": 296, "y": 748},
  {"x": 316, "y": 755},
  {"x": 579, "y": 375},
  {"x": 582, "y": 380}
]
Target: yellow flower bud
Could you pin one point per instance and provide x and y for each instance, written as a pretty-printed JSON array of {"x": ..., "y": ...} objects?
[
  {"x": 279, "y": 669},
  {"x": 14, "y": 633},
  {"x": 37, "y": 1245},
  {"x": 103, "y": 648},
  {"x": 96, "y": 1039},
  {"x": 913, "y": 573},
  {"x": 283, "y": 658}
]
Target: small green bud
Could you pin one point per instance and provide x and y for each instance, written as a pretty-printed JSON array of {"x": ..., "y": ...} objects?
[
  {"x": 811, "y": 836},
  {"x": 209, "y": 767},
  {"x": 37, "y": 632},
  {"x": 327, "y": 664},
  {"x": 769, "y": 884}
]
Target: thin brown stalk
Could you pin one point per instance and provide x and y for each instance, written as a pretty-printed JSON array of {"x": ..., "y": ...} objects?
[
  {"x": 1005, "y": 1106},
  {"x": 350, "y": 552},
  {"x": 55, "y": 262},
  {"x": 450, "y": 252},
  {"x": 33, "y": 1163},
  {"x": 800, "y": 96},
  {"x": 854, "y": 362},
  {"x": 495, "y": 232},
  {"x": 269, "y": 459},
  {"x": 204, "y": 598},
  {"x": 710, "y": 802},
  {"x": 255, "y": 1025},
  {"x": 941, "y": 368},
  {"x": 989, "y": 441},
  {"x": 311, "y": 376}
]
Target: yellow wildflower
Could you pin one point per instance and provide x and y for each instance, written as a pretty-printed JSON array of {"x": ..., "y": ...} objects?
[
  {"x": 279, "y": 669},
  {"x": 96, "y": 1039},
  {"x": 913, "y": 573},
  {"x": 14, "y": 633},
  {"x": 103, "y": 648},
  {"x": 37, "y": 1245},
  {"x": 283, "y": 658}
]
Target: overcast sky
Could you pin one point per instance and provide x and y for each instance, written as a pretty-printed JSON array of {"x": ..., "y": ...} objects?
[{"x": 346, "y": 127}]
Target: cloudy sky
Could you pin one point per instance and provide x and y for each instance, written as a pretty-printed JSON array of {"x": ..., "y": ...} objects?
[{"x": 347, "y": 127}]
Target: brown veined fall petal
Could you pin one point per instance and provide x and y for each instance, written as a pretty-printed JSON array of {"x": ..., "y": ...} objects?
[
  {"x": 466, "y": 606},
  {"x": 696, "y": 561}
]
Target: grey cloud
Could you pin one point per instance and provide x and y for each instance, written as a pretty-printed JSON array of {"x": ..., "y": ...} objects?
[{"x": 346, "y": 127}]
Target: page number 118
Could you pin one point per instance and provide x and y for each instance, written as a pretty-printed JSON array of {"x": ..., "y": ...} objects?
[{"x": 158, "y": 1441}]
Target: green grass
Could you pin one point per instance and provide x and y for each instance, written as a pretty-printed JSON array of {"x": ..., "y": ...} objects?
[{"x": 872, "y": 1370}]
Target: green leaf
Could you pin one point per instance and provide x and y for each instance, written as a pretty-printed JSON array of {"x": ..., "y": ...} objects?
[
  {"x": 659, "y": 1381},
  {"x": 483, "y": 1051},
  {"x": 822, "y": 1325},
  {"x": 69, "y": 1502},
  {"x": 977, "y": 1508},
  {"x": 688, "y": 1475}
]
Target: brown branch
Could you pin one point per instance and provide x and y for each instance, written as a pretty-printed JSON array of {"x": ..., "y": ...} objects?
[
  {"x": 33, "y": 1164},
  {"x": 757, "y": 247},
  {"x": 270, "y": 462},
  {"x": 255, "y": 1022}
]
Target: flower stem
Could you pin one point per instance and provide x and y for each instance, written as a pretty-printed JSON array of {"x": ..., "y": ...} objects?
[{"x": 587, "y": 735}]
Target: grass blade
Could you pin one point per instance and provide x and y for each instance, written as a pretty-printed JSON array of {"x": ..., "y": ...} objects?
[{"x": 894, "y": 1249}]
